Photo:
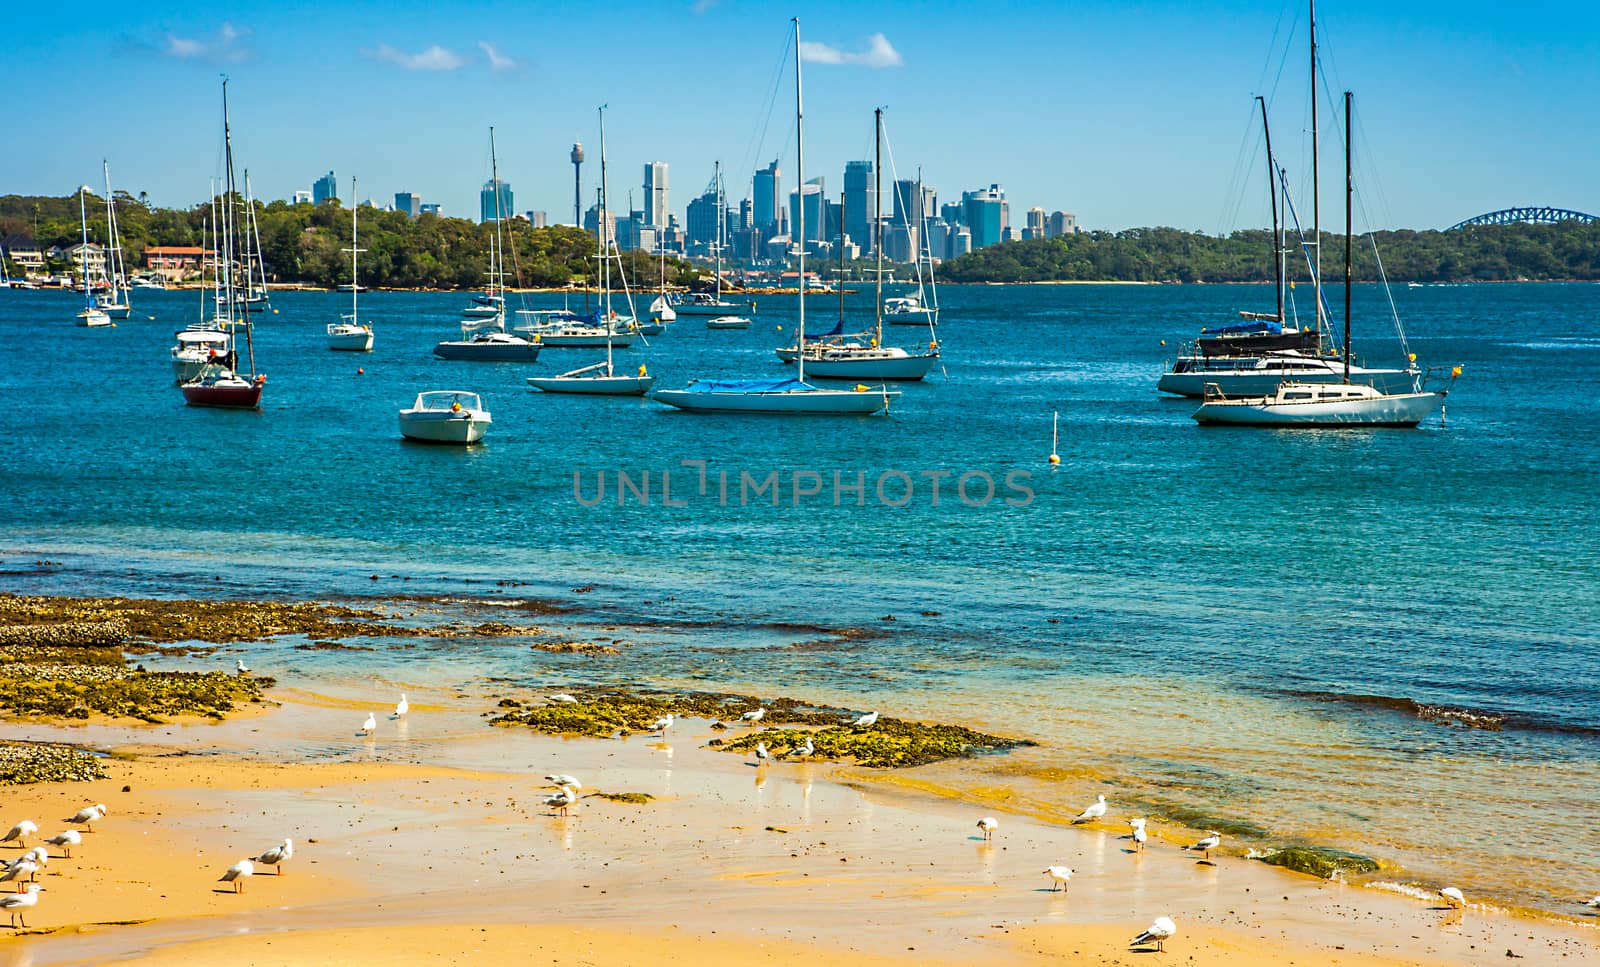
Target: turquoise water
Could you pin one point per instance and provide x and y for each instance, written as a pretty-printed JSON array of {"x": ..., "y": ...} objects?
[{"x": 1181, "y": 613}]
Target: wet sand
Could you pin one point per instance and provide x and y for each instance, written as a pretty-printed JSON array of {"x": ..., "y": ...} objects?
[{"x": 428, "y": 842}]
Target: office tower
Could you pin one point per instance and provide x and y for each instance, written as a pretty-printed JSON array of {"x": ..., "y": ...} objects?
[
  {"x": 985, "y": 215},
  {"x": 766, "y": 205},
  {"x": 577, "y": 182},
  {"x": 859, "y": 202},
  {"x": 1061, "y": 223},
  {"x": 701, "y": 221},
  {"x": 324, "y": 188},
  {"x": 1035, "y": 227},
  {"x": 302, "y": 197},
  {"x": 953, "y": 214},
  {"x": 960, "y": 242},
  {"x": 432, "y": 208},
  {"x": 538, "y": 219},
  {"x": 656, "y": 208},
  {"x": 812, "y": 192},
  {"x": 906, "y": 202},
  {"x": 592, "y": 222},
  {"x": 937, "y": 248},
  {"x": 409, "y": 202},
  {"x": 489, "y": 207}
]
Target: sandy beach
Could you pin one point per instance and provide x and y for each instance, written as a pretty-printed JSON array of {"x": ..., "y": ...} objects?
[{"x": 428, "y": 842}]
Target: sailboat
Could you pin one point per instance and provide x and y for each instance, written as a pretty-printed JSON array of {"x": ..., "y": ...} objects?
[
  {"x": 600, "y": 379},
  {"x": 1298, "y": 404},
  {"x": 92, "y": 315},
  {"x": 217, "y": 384},
  {"x": 1253, "y": 357},
  {"x": 713, "y": 304},
  {"x": 917, "y": 309},
  {"x": 114, "y": 301},
  {"x": 483, "y": 333},
  {"x": 853, "y": 359},
  {"x": 661, "y": 312},
  {"x": 781, "y": 395},
  {"x": 350, "y": 334}
]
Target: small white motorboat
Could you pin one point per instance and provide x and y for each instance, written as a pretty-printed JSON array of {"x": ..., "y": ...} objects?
[
  {"x": 195, "y": 347},
  {"x": 445, "y": 416},
  {"x": 728, "y": 322}
]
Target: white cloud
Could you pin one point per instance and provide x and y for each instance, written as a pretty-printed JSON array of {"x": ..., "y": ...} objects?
[
  {"x": 434, "y": 58},
  {"x": 879, "y": 53},
  {"x": 229, "y": 45},
  {"x": 497, "y": 61}
]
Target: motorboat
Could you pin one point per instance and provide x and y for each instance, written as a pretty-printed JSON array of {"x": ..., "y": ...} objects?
[
  {"x": 445, "y": 416},
  {"x": 728, "y": 322},
  {"x": 194, "y": 348}
]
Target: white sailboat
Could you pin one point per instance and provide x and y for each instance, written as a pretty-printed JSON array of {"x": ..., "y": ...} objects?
[
  {"x": 1299, "y": 404},
  {"x": 350, "y": 334},
  {"x": 661, "y": 312},
  {"x": 707, "y": 303},
  {"x": 781, "y": 395},
  {"x": 600, "y": 379},
  {"x": 483, "y": 334},
  {"x": 92, "y": 315},
  {"x": 114, "y": 301}
]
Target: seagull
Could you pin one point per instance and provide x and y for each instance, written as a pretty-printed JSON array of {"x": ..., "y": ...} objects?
[
  {"x": 278, "y": 855},
  {"x": 561, "y": 800},
  {"x": 88, "y": 814},
  {"x": 1095, "y": 811},
  {"x": 753, "y": 717},
  {"x": 1059, "y": 875},
  {"x": 403, "y": 707},
  {"x": 988, "y": 824},
  {"x": 18, "y": 904},
  {"x": 237, "y": 874},
  {"x": 1139, "y": 837},
  {"x": 1159, "y": 932},
  {"x": 761, "y": 753},
  {"x": 662, "y": 724},
  {"x": 24, "y": 867},
  {"x": 370, "y": 724},
  {"x": 23, "y": 829},
  {"x": 66, "y": 841},
  {"x": 243, "y": 668},
  {"x": 560, "y": 779},
  {"x": 562, "y": 698},
  {"x": 866, "y": 721},
  {"x": 1593, "y": 903},
  {"x": 805, "y": 751},
  {"x": 1213, "y": 838},
  {"x": 1453, "y": 897}
]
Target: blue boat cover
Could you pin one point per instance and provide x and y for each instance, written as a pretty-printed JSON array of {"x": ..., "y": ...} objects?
[
  {"x": 1244, "y": 328},
  {"x": 749, "y": 386}
]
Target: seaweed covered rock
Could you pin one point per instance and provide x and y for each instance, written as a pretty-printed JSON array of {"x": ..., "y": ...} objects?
[
  {"x": 1319, "y": 861},
  {"x": 890, "y": 743},
  {"x": 28, "y": 762},
  {"x": 76, "y": 682}
]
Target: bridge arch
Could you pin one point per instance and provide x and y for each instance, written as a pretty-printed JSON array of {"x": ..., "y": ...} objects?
[{"x": 1542, "y": 215}]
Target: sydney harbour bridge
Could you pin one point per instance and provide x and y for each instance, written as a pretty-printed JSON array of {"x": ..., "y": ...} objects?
[{"x": 1531, "y": 216}]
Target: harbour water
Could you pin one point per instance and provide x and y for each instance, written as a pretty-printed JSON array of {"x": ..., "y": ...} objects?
[{"x": 1225, "y": 626}]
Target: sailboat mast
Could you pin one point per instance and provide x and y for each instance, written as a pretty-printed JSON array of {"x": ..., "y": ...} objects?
[
  {"x": 1272, "y": 192},
  {"x": 605, "y": 253},
  {"x": 83, "y": 218},
  {"x": 721, "y": 225},
  {"x": 800, "y": 181},
  {"x": 231, "y": 185},
  {"x": 1316, "y": 175},
  {"x": 877, "y": 215},
  {"x": 1349, "y": 191},
  {"x": 497, "y": 273},
  {"x": 111, "y": 238},
  {"x": 355, "y": 247},
  {"x": 839, "y": 279}
]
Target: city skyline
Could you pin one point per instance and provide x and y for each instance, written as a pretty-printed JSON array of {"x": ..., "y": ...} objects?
[{"x": 1131, "y": 119}]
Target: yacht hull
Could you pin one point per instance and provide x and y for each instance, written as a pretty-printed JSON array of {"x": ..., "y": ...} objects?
[
  {"x": 488, "y": 352},
  {"x": 908, "y": 368},
  {"x": 594, "y": 385},
  {"x": 1400, "y": 410},
  {"x": 813, "y": 402},
  {"x": 239, "y": 394},
  {"x": 459, "y": 429},
  {"x": 351, "y": 341},
  {"x": 1264, "y": 382}
]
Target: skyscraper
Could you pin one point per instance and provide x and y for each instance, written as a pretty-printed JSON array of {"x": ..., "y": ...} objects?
[
  {"x": 814, "y": 199},
  {"x": 324, "y": 188},
  {"x": 766, "y": 200},
  {"x": 700, "y": 229},
  {"x": 432, "y": 208},
  {"x": 985, "y": 214},
  {"x": 656, "y": 208},
  {"x": 907, "y": 203},
  {"x": 859, "y": 202},
  {"x": 1035, "y": 228},
  {"x": 1061, "y": 223},
  {"x": 302, "y": 197},
  {"x": 409, "y": 202},
  {"x": 489, "y": 210}
]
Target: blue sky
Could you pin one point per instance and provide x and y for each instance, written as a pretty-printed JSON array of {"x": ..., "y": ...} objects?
[{"x": 1126, "y": 114}]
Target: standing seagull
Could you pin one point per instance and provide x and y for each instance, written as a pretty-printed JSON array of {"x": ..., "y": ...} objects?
[
  {"x": 20, "y": 831},
  {"x": 1212, "y": 840},
  {"x": 562, "y": 698},
  {"x": 562, "y": 800},
  {"x": 988, "y": 824},
  {"x": 20, "y": 903},
  {"x": 241, "y": 666},
  {"x": 1094, "y": 812},
  {"x": 753, "y": 717},
  {"x": 805, "y": 751},
  {"x": 1453, "y": 897},
  {"x": 1059, "y": 875},
  {"x": 278, "y": 855},
  {"x": 25, "y": 868},
  {"x": 662, "y": 724},
  {"x": 66, "y": 841},
  {"x": 1139, "y": 835},
  {"x": 866, "y": 721},
  {"x": 402, "y": 708},
  {"x": 370, "y": 725},
  {"x": 561, "y": 779},
  {"x": 87, "y": 815},
  {"x": 761, "y": 753},
  {"x": 1158, "y": 933},
  {"x": 237, "y": 874}
]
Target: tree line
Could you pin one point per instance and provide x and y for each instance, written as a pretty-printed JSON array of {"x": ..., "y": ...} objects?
[
  {"x": 1478, "y": 253},
  {"x": 308, "y": 244}
]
